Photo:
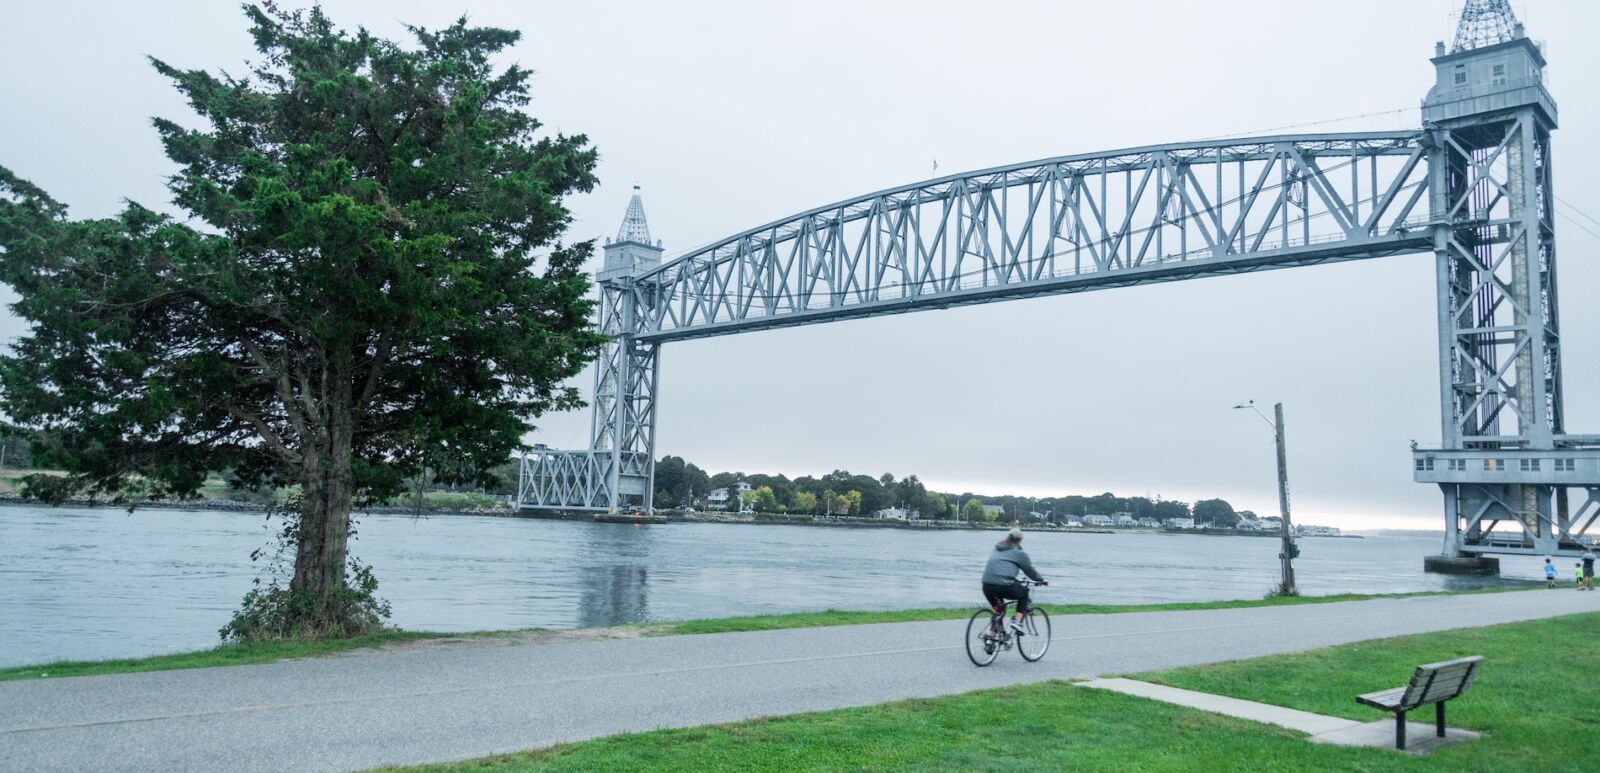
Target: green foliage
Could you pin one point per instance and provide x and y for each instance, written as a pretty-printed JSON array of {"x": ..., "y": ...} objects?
[
  {"x": 805, "y": 502},
  {"x": 1216, "y": 512},
  {"x": 675, "y": 477},
  {"x": 973, "y": 512},
  {"x": 764, "y": 501},
  {"x": 376, "y": 286},
  {"x": 853, "y": 503},
  {"x": 679, "y": 483}
]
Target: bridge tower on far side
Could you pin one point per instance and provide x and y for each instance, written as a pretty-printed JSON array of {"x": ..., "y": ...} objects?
[{"x": 623, "y": 438}]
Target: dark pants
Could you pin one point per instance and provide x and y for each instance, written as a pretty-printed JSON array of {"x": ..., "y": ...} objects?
[{"x": 995, "y": 594}]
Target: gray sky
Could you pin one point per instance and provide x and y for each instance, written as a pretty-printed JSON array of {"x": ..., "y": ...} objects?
[{"x": 735, "y": 114}]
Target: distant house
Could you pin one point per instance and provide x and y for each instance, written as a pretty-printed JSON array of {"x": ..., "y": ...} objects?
[
  {"x": 1074, "y": 523},
  {"x": 895, "y": 514},
  {"x": 1097, "y": 520},
  {"x": 1150, "y": 523},
  {"x": 1317, "y": 531},
  {"x": 1178, "y": 523},
  {"x": 1036, "y": 517},
  {"x": 1250, "y": 524},
  {"x": 718, "y": 498},
  {"x": 1124, "y": 520}
]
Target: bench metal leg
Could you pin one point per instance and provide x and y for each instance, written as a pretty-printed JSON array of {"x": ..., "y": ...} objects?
[
  {"x": 1399, "y": 730},
  {"x": 1439, "y": 717}
]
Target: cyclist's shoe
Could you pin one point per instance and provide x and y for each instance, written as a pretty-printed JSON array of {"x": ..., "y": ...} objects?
[{"x": 1015, "y": 626}]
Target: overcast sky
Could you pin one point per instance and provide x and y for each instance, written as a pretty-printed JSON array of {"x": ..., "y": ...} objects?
[{"x": 734, "y": 114}]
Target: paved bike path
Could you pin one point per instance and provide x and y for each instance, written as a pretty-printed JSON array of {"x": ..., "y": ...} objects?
[{"x": 428, "y": 705}]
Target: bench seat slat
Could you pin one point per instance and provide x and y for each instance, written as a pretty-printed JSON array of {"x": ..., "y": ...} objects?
[{"x": 1387, "y": 700}]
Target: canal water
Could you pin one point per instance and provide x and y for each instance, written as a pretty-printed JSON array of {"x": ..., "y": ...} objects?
[{"x": 81, "y": 583}]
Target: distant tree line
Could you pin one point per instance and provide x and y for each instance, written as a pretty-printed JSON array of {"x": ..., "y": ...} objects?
[{"x": 680, "y": 483}]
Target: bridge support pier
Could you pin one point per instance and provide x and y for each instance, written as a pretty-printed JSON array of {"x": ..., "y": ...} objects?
[{"x": 1471, "y": 565}]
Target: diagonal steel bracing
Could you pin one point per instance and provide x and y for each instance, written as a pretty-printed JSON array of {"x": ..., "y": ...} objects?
[{"x": 1061, "y": 225}]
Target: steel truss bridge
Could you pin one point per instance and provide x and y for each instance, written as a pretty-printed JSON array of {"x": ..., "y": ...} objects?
[{"x": 1473, "y": 187}]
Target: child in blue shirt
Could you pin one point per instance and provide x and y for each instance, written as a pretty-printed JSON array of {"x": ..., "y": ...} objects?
[{"x": 1549, "y": 574}]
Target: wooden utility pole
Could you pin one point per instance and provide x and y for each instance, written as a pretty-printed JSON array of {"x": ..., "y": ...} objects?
[{"x": 1286, "y": 553}]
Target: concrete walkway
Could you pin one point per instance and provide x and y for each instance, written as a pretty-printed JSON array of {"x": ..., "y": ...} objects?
[
  {"x": 1319, "y": 728},
  {"x": 483, "y": 697}
]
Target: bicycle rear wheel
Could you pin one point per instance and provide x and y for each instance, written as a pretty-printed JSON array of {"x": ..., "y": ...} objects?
[
  {"x": 981, "y": 646},
  {"x": 1034, "y": 640}
]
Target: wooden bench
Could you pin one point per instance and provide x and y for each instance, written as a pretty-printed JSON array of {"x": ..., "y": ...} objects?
[{"x": 1432, "y": 683}]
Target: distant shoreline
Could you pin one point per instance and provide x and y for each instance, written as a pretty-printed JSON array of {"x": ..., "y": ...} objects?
[
  {"x": 839, "y": 522},
  {"x": 844, "y": 522}
]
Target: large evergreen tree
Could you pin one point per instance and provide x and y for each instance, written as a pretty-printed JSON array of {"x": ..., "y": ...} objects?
[{"x": 376, "y": 284}]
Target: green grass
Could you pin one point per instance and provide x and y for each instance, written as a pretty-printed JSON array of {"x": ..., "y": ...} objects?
[
  {"x": 224, "y": 655},
  {"x": 1534, "y": 702},
  {"x": 1535, "y": 696},
  {"x": 267, "y": 652},
  {"x": 839, "y": 617}
]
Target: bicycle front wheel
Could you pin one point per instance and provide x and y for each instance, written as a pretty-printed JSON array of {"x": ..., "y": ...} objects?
[
  {"x": 1034, "y": 640},
  {"x": 981, "y": 645}
]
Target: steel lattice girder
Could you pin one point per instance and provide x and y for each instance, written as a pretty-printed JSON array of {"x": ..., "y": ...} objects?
[
  {"x": 573, "y": 480},
  {"x": 1061, "y": 225},
  {"x": 1498, "y": 323}
]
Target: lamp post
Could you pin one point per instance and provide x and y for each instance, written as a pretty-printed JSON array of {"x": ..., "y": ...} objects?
[{"x": 1286, "y": 550}]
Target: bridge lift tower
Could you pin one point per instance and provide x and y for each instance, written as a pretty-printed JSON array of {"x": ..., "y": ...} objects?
[
  {"x": 1504, "y": 456},
  {"x": 1514, "y": 480}
]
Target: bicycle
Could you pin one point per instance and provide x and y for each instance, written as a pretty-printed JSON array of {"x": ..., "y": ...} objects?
[{"x": 988, "y": 633}]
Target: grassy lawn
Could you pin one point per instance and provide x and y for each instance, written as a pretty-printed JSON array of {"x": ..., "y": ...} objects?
[
  {"x": 838, "y": 617},
  {"x": 267, "y": 652},
  {"x": 224, "y": 655},
  {"x": 1534, "y": 701}
]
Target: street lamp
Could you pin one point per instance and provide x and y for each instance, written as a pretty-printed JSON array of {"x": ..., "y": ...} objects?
[{"x": 1286, "y": 551}]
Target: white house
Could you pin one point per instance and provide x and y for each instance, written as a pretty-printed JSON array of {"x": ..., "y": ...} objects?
[
  {"x": 1124, "y": 520},
  {"x": 718, "y": 498},
  {"x": 895, "y": 514},
  {"x": 1179, "y": 523},
  {"x": 1251, "y": 524},
  {"x": 1149, "y": 523},
  {"x": 1074, "y": 523},
  {"x": 1097, "y": 520}
]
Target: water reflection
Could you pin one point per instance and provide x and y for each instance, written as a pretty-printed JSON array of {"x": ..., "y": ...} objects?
[{"x": 614, "y": 595}]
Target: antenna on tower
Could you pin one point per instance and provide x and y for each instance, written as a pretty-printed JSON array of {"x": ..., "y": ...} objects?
[{"x": 1485, "y": 23}]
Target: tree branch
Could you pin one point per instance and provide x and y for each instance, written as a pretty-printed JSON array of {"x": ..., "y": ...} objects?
[{"x": 267, "y": 434}]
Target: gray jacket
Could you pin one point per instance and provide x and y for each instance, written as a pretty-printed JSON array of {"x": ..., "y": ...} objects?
[{"x": 1004, "y": 563}]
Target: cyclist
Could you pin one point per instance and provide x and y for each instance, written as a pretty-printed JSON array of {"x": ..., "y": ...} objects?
[{"x": 1000, "y": 576}]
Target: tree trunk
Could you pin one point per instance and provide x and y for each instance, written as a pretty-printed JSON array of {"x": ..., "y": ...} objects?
[{"x": 324, "y": 530}]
